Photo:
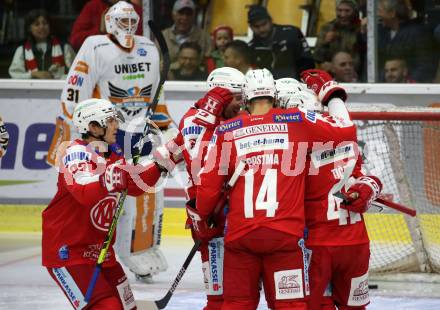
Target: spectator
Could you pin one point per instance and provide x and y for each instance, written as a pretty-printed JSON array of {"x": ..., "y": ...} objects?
[
  {"x": 221, "y": 36},
  {"x": 42, "y": 55},
  {"x": 91, "y": 21},
  {"x": 238, "y": 55},
  {"x": 342, "y": 33},
  {"x": 399, "y": 37},
  {"x": 184, "y": 30},
  {"x": 396, "y": 71},
  {"x": 282, "y": 49},
  {"x": 342, "y": 67},
  {"x": 189, "y": 60}
]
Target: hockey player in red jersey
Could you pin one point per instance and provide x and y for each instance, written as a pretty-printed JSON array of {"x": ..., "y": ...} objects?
[
  {"x": 265, "y": 220},
  {"x": 196, "y": 128},
  {"x": 92, "y": 172},
  {"x": 336, "y": 233}
]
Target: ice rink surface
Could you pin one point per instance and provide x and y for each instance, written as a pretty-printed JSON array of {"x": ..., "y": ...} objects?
[{"x": 24, "y": 284}]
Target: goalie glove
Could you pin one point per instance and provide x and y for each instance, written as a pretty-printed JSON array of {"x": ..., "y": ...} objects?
[
  {"x": 4, "y": 138},
  {"x": 323, "y": 85},
  {"x": 114, "y": 179},
  {"x": 211, "y": 107},
  {"x": 200, "y": 228},
  {"x": 362, "y": 193}
]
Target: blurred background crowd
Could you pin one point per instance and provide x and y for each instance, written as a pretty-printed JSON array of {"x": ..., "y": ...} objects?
[{"x": 39, "y": 39}]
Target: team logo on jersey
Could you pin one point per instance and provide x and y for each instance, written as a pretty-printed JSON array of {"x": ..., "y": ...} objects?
[
  {"x": 142, "y": 52},
  {"x": 102, "y": 213},
  {"x": 287, "y": 118},
  {"x": 131, "y": 101},
  {"x": 63, "y": 252},
  {"x": 229, "y": 126}
]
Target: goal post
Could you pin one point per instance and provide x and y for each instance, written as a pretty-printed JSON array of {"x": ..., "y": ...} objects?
[{"x": 402, "y": 146}]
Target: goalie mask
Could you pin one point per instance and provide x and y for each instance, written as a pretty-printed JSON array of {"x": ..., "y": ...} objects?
[
  {"x": 291, "y": 94},
  {"x": 94, "y": 110},
  {"x": 121, "y": 20},
  {"x": 259, "y": 83},
  {"x": 228, "y": 78}
]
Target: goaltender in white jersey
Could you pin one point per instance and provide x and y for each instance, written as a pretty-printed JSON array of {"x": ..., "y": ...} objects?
[{"x": 123, "y": 68}]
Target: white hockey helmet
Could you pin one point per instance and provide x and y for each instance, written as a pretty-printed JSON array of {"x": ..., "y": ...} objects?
[
  {"x": 226, "y": 77},
  {"x": 259, "y": 83},
  {"x": 291, "y": 93},
  {"x": 121, "y": 20},
  {"x": 94, "y": 110}
]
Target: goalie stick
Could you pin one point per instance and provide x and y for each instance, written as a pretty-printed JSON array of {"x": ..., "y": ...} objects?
[
  {"x": 136, "y": 155},
  {"x": 163, "y": 302}
]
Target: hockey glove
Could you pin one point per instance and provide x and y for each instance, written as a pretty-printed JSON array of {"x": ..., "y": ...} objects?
[
  {"x": 362, "y": 193},
  {"x": 211, "y": 107},
  {"x": 114, "y": 179},
  {"x": 4, "y": 138},
  {"x": 165, "y": 159},
  {"x": 200, "y": 228},
  {"x": 323, "y": 85}
]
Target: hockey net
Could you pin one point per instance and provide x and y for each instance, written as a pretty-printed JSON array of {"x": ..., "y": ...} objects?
[{"x": 402, "y": 147}]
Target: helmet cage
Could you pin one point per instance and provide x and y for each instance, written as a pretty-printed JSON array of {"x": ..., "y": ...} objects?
[{"x": 121, "y": 21}]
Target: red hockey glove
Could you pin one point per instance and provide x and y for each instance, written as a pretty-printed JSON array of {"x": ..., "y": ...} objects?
[
  {"x": 212, "y": 106},
  {"x": 165, "y": 159},
  {"x": 362, "y": 193},
  {"x": 323, "y": 85},
  {"x": 200, "y": 227},
  {"x": 114, "y": 179}
]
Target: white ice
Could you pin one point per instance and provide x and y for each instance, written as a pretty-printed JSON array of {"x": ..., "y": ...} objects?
[{"x": 24, "y": 284}]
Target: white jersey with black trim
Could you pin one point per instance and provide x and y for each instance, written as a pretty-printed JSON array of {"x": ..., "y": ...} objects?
[{"x": 128, "y": 78}]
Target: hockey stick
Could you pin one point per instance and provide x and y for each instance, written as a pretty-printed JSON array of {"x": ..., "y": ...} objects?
[
  {"x": 136, "y": 155},
  {"x": 387, "y": 203},
  {"x": 163, "y": 76},
  {"x": 163, "y": 302}
]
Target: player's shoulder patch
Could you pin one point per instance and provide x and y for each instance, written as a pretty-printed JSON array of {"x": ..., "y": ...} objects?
[
  {"x": 293, "y": 117},
  {"x": 229, "y": 126}
]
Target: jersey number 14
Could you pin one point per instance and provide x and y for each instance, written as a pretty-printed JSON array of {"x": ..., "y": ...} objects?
[{"x": 267, "y": 194}]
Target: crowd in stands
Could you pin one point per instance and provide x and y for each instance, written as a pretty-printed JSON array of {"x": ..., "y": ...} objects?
[{"x": 407, "y": 52}]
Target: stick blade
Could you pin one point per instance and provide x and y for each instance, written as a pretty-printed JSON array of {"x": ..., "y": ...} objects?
[{"x": 146, "y": 305}]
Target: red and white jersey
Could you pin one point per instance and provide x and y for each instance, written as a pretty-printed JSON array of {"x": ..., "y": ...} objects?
[
  {"x": 127, "y": 78},
  {"x": 192, "y": 139},
  {"x": 77, "y": 219},
  {"x": 270, "y": 193},
  {"x": 330, "y": 170}
]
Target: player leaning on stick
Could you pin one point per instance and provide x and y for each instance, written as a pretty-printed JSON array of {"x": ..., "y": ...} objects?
[
  {"x": 92, "y": 171},
  {"x": 4, "y": 138},
  {"x": 336, "y": 233},
  {"x": 221, "y": 102},
  {"x": 124, "y": 69},
  {"x": 265, "y": 221}
]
